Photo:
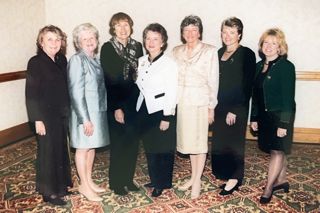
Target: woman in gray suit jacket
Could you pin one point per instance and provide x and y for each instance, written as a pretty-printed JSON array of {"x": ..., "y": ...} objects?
[{"x": 88, "y": 123}]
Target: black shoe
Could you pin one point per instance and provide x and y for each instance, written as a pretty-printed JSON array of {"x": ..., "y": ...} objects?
[
  {"x": 156, "y": 192},
  {"x": 120, "y": 191},
  {"x": 132, "y": 187},
  {"x": 55, "y": 201},
  {"x": 285, "y": 186},
  {"x": 222, "y": 186},
  {"x": 67, "y": 193},
  {"x": 224, "y": 192},
  {"x": 265, "y": 200},
  {"x": 149, "y": 185}
]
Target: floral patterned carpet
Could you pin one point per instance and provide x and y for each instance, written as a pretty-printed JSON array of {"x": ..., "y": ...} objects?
[{"x": 17, "y": 185}]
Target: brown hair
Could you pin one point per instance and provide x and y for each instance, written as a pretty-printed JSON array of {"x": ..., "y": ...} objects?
[
  {"x": 233, "y": 22},
  {"x": 156, "y": 27},
  {"x": 119, "y": 17},
  {"x": 56, "y": 30}
]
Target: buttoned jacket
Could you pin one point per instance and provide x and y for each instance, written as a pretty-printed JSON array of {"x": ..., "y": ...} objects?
[
  {"x": 198, "y": 75},
  {"x": 86, "y": 86},
  {"x": 158, "y": 83}
]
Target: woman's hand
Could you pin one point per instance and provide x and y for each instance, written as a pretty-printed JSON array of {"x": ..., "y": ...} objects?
[
  {"x": 88, "y": 128},
  {"x": 164, "y": 125},
  {"x": 40, "y": 128},
  {"x": 281, "y": 132},
  {"x": 210, "y": 116},
  {"x": 231, "y": 118},
  {"x": 254, "y": 126},
  {"x": 119, "y": 116}
]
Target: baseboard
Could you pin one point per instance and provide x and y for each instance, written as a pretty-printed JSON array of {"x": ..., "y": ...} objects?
[
  {"x": 300, "y": 135},
  {"x": 14, "y": 134}
]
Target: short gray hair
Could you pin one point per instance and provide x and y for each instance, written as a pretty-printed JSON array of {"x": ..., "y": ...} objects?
[{"x": 81, "y": 28}]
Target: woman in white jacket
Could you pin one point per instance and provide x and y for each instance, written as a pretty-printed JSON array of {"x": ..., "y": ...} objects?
[{"x": 158, "y": 82}]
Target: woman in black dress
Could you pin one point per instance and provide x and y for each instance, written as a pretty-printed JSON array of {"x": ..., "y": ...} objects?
[
  {"x": 237, "y": 68},
  {"x": 47, "y": 104},
  {"x": 119, "y": 60},
  {"x": 273, "y": 107}
]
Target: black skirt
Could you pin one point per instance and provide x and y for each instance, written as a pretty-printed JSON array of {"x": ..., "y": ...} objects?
[{"x": 268, "y": 124}]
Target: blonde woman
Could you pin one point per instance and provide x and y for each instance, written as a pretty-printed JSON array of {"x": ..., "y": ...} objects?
[{"x": 273, "y": 108}]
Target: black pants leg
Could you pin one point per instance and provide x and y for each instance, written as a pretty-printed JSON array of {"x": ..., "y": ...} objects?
[
  {"x": 160, "y": 167},
  {"x": 123, "y": 153}
]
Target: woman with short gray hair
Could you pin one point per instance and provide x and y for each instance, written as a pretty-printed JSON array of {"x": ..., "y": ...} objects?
[{"x": 88, "y": 123}]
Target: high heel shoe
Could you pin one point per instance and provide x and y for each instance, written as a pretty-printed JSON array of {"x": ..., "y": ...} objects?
[
  {"x": 195, "y": 192},
  {"x": 92, "y": 197},
  {"x": 185, "y": 186},
  {"x": 285, "y": 186},
  {"x": 224, "y": 192},
  {"x": 265, "y": 200}
]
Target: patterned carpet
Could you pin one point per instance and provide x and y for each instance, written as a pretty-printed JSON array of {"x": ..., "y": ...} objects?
[{"x": 17, "y": 186}]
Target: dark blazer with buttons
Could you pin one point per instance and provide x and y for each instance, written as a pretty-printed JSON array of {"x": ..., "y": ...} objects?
[
  {"x": 279, "y": 91},
  {"x": 46, "y": 87}
]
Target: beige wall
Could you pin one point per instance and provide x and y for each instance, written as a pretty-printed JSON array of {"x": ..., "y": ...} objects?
[
  {"x": 20, "y": 21},
  {"x": 298, "y": 18}
]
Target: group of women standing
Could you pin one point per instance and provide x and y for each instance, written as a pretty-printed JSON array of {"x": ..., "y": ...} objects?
[{"x": 126, "y": 97}]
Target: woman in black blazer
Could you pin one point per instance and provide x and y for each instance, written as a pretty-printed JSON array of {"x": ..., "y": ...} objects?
[
  {"x": 47, "y": 104},
  {"x": 273, "y": 107},
  {"x": 119, "y": 60}
]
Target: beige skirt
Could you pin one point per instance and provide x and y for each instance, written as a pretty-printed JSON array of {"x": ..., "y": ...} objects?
[{"x": 192, "y": 129}]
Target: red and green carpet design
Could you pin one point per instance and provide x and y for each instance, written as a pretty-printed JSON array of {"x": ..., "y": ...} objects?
[{"x": 17, "y": 185}]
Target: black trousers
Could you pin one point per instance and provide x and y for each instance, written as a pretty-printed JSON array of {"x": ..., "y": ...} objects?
[
  {"x": 124, "y": 146},
  {"x": 159, "y": 147},
  {"x": 160, "y": 168}
]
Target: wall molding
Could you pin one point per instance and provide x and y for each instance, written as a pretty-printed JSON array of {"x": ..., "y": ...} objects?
[
  {"x": 19, "y": 132},
  {"x": 12, "y": 76},
  {"x": 300, "y": 135},
  {"x": 308, "y": 75},
  {"x": 300, "y": 75},
  {"x": 14, "y": 134}
]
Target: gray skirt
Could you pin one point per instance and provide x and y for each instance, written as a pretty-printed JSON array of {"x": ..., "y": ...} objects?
[{"x": 100, "y": 135}]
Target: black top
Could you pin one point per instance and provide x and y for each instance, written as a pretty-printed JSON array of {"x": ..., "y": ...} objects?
[
  {"x": 236, "y": 79},
  {"x": 122, "y": 92},
  {"x": 46, "y": 87}
]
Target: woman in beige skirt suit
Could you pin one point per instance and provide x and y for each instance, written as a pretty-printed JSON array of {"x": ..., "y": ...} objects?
[{"x": 198, "y": 87}]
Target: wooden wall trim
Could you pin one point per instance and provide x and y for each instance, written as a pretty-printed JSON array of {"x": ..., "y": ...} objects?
[
  {"x": 300, "y": 135},
  {"x": 301, "y": 76},
  {"x": 14, "y": 134},
  {"x": 12, "y": 76},
  {"x": 308, "y": 76}
]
